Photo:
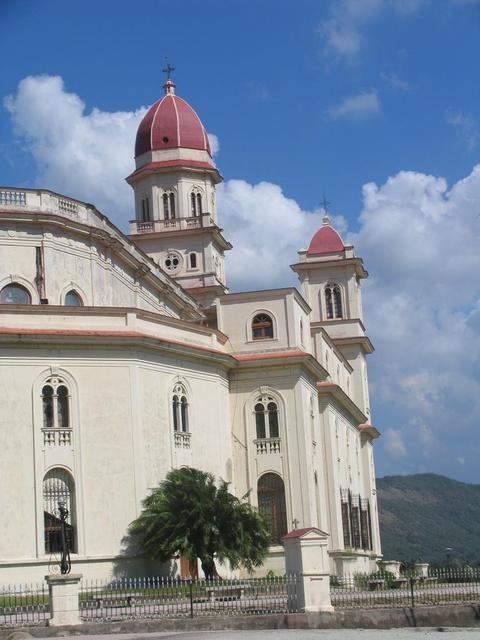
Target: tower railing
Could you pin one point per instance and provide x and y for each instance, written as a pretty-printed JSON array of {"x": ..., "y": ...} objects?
[{"x": 172, "y": 224}]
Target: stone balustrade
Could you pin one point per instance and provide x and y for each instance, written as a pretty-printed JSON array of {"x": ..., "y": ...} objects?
[
  {"x": 268, "y": 445},
  {"x": 182, "y": 439},
  {"x": 57, "y": 437},
  {"x": 175, "y": 224},
  {"x": 46, "y": 202}
]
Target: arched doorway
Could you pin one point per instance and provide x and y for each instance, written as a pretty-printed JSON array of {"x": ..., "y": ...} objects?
[{"x": 272, "y": 506}]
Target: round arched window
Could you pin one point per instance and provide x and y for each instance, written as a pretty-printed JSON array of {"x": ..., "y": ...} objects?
[
  {"x": 14, "y": 294},
  {"x": 72, "y": 299}
]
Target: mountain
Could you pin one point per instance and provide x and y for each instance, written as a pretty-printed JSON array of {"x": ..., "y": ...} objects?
[{"x": 423, "y": 515}]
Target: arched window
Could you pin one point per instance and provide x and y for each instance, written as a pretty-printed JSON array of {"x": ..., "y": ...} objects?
[
  {"x": 262, "y": 327},
  {"x": 266, "y": 418},
  {"x": 333, "y": 301},
  {"x": 168, "y": 200},
  {"x": 72, "y": 299},
  {"x": 58, "y": 487},
  {"x": 145, "y": 210},
  {"x": 56, "y": 411},
  {"x": 180, "y": 409},
  {"x": 193, "y": 261},
  {"x": 272, "y": 506},
  {"x": 14, "y": 294},
  {"x": 196, "y": 203}
]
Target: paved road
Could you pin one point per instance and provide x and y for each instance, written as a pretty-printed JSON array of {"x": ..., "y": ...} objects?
[{"x": 300, "y": 634}]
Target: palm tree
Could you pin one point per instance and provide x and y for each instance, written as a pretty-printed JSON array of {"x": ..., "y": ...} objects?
[{"x": 188, "y": 514}]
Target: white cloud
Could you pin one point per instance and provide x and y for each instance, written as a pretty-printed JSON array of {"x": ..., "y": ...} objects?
[
  {"x": 214, "y": 143},
  {"x": 357, "y": 107},
  {"x": 418, "y": 236},
  {"x": 85, "y": 155},
  {"x": 466, "y": 126},
  {"x": 395, "y": 81},
  {"x": 343, "y": 30},
  {"x": 393, "y": 443},
  {"x": 266, "y": 229}
]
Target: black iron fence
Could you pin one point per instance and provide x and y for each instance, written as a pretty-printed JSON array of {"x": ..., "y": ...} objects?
[
  {"x": 384, "y": 589},
  {"x": 24, "y": 604},
  {"x": 177, "y": 598}
]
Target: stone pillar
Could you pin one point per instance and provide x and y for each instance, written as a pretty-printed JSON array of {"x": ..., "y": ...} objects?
[
  {"x": 306, "y": 557},
  {"x": 63, "y": 594},
  {"x": 392, "y": 566},
  {"x": 421, "y": 569}
]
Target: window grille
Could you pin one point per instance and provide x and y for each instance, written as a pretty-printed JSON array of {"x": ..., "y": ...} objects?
[
  {"x": 272, "y": 505},
  {"x": 58, "y": 486}
]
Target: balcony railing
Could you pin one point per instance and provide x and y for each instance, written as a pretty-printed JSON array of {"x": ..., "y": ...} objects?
[
  {"x": 175, "y": 224},
  {"x": 268, "y": 445},
  {"x": 57, "y": 437},
  {"x": 182, "y": 439},
  {"x": 13, "y": 198}
]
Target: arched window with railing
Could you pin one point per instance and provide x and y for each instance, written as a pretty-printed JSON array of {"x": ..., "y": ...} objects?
[
  {"x": 262, "y": 327},
  {"x": 272, "y": 505},
  {"x": 180, "y": 415},
  {"x": 56, "y": 412},
  {"x": 333, "y": 302},
  {"x": 59, "y": 490}
]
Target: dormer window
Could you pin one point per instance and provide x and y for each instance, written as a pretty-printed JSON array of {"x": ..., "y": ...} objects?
[
  {"x": 196, "y": 203},
  {"x": 333, "y": 302},
  {"x": 262, "y": 327},
  {"x": 168, "y": 206}
]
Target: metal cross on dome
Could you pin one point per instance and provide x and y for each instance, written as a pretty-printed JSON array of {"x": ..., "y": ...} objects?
[
  {"x": 324, "y": 204},
  {"x": 168, "y": 70}
]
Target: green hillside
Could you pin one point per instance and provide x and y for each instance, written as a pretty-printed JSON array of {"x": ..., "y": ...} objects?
[{"x": 421, "y": 515}]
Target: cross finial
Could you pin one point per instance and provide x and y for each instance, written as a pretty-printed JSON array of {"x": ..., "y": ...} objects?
[
  {"x": 169, "y": 85},
  {"x": 324, "y": 204},
  {"x": 168, "y": 70}
]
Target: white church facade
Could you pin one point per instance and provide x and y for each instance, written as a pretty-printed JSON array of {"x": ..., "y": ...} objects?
[{"x": 122, "y": 357}]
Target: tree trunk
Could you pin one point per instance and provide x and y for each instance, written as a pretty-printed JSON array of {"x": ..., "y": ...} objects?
[{"x": 209, "y": 568}]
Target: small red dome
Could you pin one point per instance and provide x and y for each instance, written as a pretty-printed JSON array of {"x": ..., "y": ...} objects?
[
  {"x": 325, "y": 240},
  {"x": 171, "y": 123}
]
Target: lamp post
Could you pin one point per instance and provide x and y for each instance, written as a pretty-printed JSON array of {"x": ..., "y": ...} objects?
[{"x": 65, "y": 564}]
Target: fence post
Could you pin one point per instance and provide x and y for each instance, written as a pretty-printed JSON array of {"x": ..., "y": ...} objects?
[
  {"x": 63, "y": 593},
  {"x": 190, "y": 588},
  {"x": 306, "y": 557},
  {"x": 412, "y": 579}
]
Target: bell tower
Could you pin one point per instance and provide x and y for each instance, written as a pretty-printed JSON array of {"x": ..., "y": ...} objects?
[
  {"x": 176, "y": 220},
  {"x": 330, "y": 275}
]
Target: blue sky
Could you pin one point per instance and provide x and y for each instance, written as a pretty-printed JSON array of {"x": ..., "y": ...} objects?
[{"x": 375, "y": 102}]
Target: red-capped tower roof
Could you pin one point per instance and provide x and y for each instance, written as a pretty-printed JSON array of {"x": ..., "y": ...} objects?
[
  {"x": 325, "y": 240},
  {"x": 171, "y": 123}
]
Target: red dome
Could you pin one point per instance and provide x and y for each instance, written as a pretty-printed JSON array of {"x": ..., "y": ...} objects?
[
  {"x": 325, "y": 240},
  {"x": 171, "y": 123}
]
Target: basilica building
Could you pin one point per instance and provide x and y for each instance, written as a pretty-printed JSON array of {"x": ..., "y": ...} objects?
[{"x": 122, "y": 357}]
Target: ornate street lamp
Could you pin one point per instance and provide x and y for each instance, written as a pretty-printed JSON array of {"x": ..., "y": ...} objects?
[{"x": 65, "y": 563}]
